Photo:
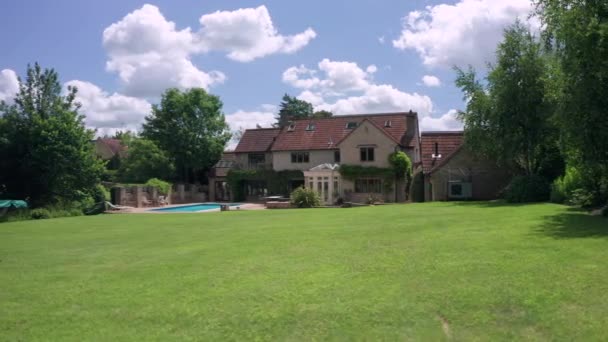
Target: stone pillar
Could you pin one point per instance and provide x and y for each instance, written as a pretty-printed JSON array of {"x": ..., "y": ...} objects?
[
  {"x": 139, "y": 196},
  {"x": 212, "y": 190},
  {"x": 181, "y": 194},
  {"x": 154, "y": 195},
  {"x": 331, "y": 189}
]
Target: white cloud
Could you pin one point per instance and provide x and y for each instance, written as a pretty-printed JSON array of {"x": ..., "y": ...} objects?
[
  {"x": 345, "y": 88},
  {"x": 9, "y": 85},
  {"x": 150, "y": 54},
  {"x": 381, "y": 39},
  {"x": 431, "y": 81},
  {"x": 247, "y": 34},
  {"x": 244, "y": 120},
  {"x": 466, "y": 32},
  {"x": 109, "y": 112},
  {"x": 339, "y": 77},
  {"x": 446, "y": 122}
]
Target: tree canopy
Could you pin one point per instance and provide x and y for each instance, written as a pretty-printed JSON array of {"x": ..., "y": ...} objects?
[
  {"x": 144, "y": 161},
  {"x": 292, "y": 108},
  {"x": 44, "y": 143},
  {"x": 190, "y": 126},
  {"x": 577, "y": 33},
  {"x": 508, "y": 117}
]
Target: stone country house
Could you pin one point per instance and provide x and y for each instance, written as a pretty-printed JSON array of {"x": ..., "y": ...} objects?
[{"x": 310, "y": 153}]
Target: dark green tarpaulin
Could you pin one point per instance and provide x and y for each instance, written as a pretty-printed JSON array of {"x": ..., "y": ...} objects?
[{"x": 12, "y": 203}]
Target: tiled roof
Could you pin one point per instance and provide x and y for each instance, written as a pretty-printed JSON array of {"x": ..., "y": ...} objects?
[
  {"x": 114, "y": 144},
  {"x": 227, "y": 160},
  {"x": 447, "y": 144},
  {"x": 328, "y": 132},
  {"x": 257, "y": 140}
]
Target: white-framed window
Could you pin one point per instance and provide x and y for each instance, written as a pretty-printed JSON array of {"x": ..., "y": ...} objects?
[
  {"x": 310, "y": 127},
  {"x": 351, "y": 125}
]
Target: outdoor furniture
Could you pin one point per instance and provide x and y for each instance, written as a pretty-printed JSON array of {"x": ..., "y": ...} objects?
[
  {"x": 5, "y": 205},
  {"x": 162, "y": 200},
  {"x": 146, "y": 202},
  {"x": 117, "y": 207}
]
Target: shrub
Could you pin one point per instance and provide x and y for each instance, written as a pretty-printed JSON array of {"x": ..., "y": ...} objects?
[
  {"x": 524, "y": 189},
  {"x": 100, "y": 194},
  {"x": 401, "y": 163},
  {"x": 581, "y": 197},
  {"x": 563, "y": 187},
  {"x": 605, "y": 211},
  {"x": 372, "y": 199},
  {"x": 162, "y": 186},
  {"x": 40, "y": 214},
  {"x": 305, "y": 198}
]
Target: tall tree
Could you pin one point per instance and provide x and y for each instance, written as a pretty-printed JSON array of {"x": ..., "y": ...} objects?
[
  {"x": 190, "y": 127},
  {"x": 145, "y": 160},
  {"x": 292, "y": 108},
  {"x": 577, "y": 31},
  {"x": 509, "y": 120},
  {"x": 320, "y": 114},
  {"x": 46, "y": 151}
]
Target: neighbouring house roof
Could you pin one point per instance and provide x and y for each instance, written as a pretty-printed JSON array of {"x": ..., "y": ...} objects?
[
  {"x": 448, "y": 143},
  {"x": 329, "y": 132},
  {"x": 227, "y": 160},
  {"x": 257, "y": 140},
  {"x": 107, "y": 148}
]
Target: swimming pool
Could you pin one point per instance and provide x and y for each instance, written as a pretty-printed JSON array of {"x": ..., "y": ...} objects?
[{"x": 194, "y": 207}]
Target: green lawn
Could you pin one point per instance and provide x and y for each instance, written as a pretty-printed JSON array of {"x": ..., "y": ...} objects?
[{"x": 405, "y": 272}]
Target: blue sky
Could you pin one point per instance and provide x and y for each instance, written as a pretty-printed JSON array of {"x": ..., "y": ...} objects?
[{"x": 344, "y": 56}]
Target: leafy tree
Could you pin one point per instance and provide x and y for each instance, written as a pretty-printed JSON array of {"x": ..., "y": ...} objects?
[
  {"x": 402, "y": 167},
  {"x": 190, "y": 127},
  {"x": 577, "y": 32},
  {"x": 320, "y": 114},
  {"x": 509, "y": 119},
  {"x": 46, "y": 151},
  {"x": 145, "y": 160},
  {"x": 292, "y": 108},
  {"x": 125, "y": 137}
]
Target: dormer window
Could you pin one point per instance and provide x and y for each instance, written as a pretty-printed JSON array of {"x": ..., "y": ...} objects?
[
  {"x": 291, "y": 127},
  {"x": 351, "y": 125},
  {"x": 388, "y": 123},
  {"x": 310, "y": 127}
]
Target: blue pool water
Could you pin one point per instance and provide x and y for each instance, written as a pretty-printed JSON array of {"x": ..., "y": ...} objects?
[{"x": 194, "y": 207}]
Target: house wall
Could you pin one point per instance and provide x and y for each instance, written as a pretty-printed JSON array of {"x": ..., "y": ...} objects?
[
  {"x": 347, "y": 191},
  {"x": 488, "y": 180},
  {"x": 281, "y": 160},
  {"x": 242, "y": 159},
  {"x": 366, "y": 135}
]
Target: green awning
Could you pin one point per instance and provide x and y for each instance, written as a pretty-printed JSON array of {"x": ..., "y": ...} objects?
[{"x": 13, "y": 203}]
